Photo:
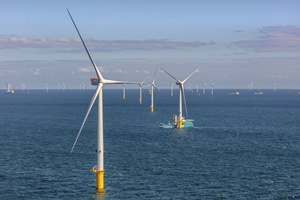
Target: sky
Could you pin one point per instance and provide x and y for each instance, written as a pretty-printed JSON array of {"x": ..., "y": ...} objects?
[{"x": 232, "y": 42}]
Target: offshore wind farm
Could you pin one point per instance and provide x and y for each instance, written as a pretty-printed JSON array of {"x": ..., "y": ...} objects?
[
  {"x": 228, "y": 81},
  {"x": 201, "y": 161}
]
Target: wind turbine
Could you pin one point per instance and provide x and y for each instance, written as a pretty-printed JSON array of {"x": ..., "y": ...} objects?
[
  {"x": 172, "y": 88},
  {"x": 124, "y": 92},
  {"x": 181, "y": 123},
  {"x": 47, "y": 87},
  {"x": 141, "y": 93},
  {"x": 204, "y": 84},
  {"x": 64, "y": 87},
  {"x": 275, "y": 87},
  {"x": 251, "y": 86},
  {"x": 9, "y": 89},
  {"x": 197, "y": 87},
  {"x": 212, "y": 88},
  {"x": 152, "y": 91},
  {"x": 191, "y": 90},
  {"x": 99, "y": 168}
]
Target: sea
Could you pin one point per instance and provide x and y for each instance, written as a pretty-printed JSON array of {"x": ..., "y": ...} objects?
[{"x": 243, "y": 146}]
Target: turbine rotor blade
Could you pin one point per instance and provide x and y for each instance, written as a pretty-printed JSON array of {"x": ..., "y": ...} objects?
[
  {"x": 118, "y": 82},
  {"x": 154, "y": 76},
  {"x": 88, "y": 112},
  {"x": 190, "y": 75},
  {"x": 170, "y": 75},
  {"x": 87, "y": 51},
  {"x": 156, "y": 88}
]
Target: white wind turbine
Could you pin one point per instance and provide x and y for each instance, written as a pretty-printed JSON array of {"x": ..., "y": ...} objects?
[
  {"x": 212, "y": 88},
  {"x": 275, "y": 87},
  {"x": 64, "y": 87},
  {"x": 179, "y": 123},
  {"x": 197, "y": 87},
  {"x": 251, "y": 86},
  {"x": 152, "y": 91},
  {"x": 124, "y": 91},
  {"x": 141, "y": 91},
  {"x": 99, "y": 168},
  {"x": 204, "y": 84},
  {"x": 172, "y": 88},
  {"x": 190, "y": 89},
  {"x": 47, "y": 87}
]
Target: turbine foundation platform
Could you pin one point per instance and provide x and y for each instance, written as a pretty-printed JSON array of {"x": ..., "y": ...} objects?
[{"x": 99, "y": 180}]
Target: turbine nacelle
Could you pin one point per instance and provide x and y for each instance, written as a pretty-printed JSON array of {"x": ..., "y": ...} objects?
[{"x": 94, "y": 81}]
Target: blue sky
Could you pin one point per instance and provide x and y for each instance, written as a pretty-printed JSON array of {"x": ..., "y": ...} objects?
[{"x": 233, "y": 42}]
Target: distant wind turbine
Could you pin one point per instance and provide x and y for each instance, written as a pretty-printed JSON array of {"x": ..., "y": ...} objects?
[
  {"x": 212, "y": 88},
  {"x": 204, "y": 84},
  {"x": 124, "y": 91},
  {"x": 99, "y": 168},
  {"x": 64, "y": 87},
  {"x": 180, "y": 121},
  {"x": 251, "y": 86},
  {"x": 141, "y": 91},
  {"x": 172, "y": 89},
  {"x": 190, "y": 87},
  {"x": 152, "y": 85}
]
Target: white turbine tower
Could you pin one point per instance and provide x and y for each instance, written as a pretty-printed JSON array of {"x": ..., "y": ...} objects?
[
  {"x": 181, "y": 95},
  {"x": 99, "y": 168},
  {"x": 197, "y": 87},
  {"x": 152, "y": 91},
  {"x": 172, "y": 88},
  {"x": 124, "y": 91},
  {"x": 64, "y": 87},
  {"x": 47, "y": 87},
  {"x": 212, "y": 88},
  {"x": 275, "y": 87},
  {"x": 203, "y": 84},
  {"x": 251, "y": 86},
  {"x": 190, "y": 89},
  {"x": 141, "y": 93}
]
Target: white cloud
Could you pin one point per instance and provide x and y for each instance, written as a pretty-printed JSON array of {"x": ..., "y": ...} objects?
[
  {"x": 274, "y": 39},
  {"x": 84, "y": 70},
  {"x": 98, "y": 45},
  {"x": 120, "y": 71}
]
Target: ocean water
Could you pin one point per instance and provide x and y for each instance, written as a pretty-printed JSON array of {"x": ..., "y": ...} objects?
[{"x": 243, "y": 147}]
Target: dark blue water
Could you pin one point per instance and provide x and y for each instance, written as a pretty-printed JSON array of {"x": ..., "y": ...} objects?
[{"x": 243, "y": 147}]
